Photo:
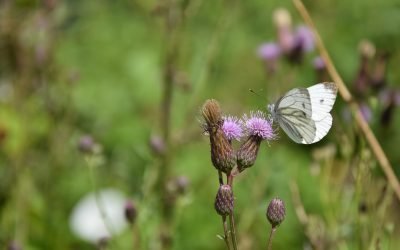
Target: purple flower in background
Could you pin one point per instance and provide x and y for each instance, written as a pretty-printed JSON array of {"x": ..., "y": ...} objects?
[
  {"x": 389, "y": 99},
  {"x": 304, "y": 38},
  {"x": 258, "y": 125},
  {"x": 232, "y": 128},
  {"x": 320, "y": 69},
  {"x": 269, "y": 51},
  {"x": 319, "y": 63},
  {"x": 86, "y": 144},
  {"x": 366, "y": 112}
]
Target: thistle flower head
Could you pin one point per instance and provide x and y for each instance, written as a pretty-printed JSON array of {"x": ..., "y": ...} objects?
[
  {"x": 259, "y": 126},
  {"x": 232, "y": 128},
  {"x": 304, "y": 38},
  {"x": 224, "y": 201},
  {"x": 319, "y": 63},
  {"x": 269, "y": 51},
  {"x": 276, "y": 212}
]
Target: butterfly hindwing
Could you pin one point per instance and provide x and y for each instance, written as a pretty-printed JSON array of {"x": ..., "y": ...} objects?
[{"x": 305, "y": 128}]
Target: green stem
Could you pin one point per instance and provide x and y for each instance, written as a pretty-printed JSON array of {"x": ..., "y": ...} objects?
[
  {"x": 99, "y": 204},
  {"x": 233, "y": 231},
  {"x": 231, "y": 217},
  {"x": 271, "y": 235},
  {"x": 226, "y": 237}
]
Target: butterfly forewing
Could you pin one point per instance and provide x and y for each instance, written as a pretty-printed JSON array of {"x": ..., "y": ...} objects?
[
  {"x": 296, "y": 99},
  {"x": 322, "y": 96}
]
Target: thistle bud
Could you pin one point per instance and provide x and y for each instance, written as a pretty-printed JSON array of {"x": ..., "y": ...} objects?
[
  {"x": 378, "y": 77},
  {"x": 247, "y": 153},
  {"x": 224, "y": 201},
  {"x": 283, "y": 23},
  {"x": 157, "y": 144},
  {"x": 130, "y": 212},
  {"x": 367, "y": 52},
  {"x": 276, "y": 212},
  {"x": 222, "y": 154}
]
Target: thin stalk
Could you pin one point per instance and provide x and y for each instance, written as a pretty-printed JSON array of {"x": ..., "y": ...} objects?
[
  {"x": 231, "y": 217},
  {"x": 99, "y": 204},
  {"x": 172, "y": 43},
  {"x": 226, "y": 234},
  {"x": 271, "y": 235},
  {"x": 136, "y": 237},
  {"x": 220, "y": 178},
  {"x": 233, "y": 231},
  {"x": 347, "y": 97}
]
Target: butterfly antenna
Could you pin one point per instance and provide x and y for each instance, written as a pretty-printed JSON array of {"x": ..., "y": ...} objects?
[{"x": 257, "y": 94}]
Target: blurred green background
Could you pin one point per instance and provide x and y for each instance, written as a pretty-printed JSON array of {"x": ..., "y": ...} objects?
[{"x": 99, "y": 69}]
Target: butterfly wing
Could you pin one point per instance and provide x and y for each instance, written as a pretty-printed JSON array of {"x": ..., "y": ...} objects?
[
  {"x": 299, "y": 128},
  {"x": 304, "y": 113},
  {"x": 322, "y": 96},
  {"x": 297, "y": 99}
]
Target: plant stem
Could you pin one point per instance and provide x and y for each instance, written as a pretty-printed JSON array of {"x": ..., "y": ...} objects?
[
  {"x": 220, "y": 178},
  {"x": 231, "y": 217},
  {"x": 226, "y": 237},
  {"x": 172, "y": 42},
  {"x": 346, "y": 95},
  {"x": 233, "y": 232},
  {"x": 97, "y": 198},
  {"x": 271, "y": 235}
]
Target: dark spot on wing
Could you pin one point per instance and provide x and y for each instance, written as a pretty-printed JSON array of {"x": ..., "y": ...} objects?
[
  {"x": 321, "y": 101},
  {"x": 303, "y": 113},
  {"x": 304, "y": 105}
]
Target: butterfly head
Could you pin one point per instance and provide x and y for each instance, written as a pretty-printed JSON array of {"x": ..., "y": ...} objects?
[{"x": 271, "y": 109}]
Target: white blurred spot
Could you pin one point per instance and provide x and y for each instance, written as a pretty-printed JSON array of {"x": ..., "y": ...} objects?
[{"x": 87, "y": 222}]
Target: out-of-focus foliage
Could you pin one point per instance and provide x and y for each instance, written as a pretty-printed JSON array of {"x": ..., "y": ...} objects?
[{"x": 69, "y": 69}]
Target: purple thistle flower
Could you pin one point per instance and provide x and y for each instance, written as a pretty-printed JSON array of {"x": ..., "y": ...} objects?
[
  {"x": 304, "y": 38},
  {"x": 232, "y": 128},
  {"x": 366, "y": 112},
  {"x": 319, "y": 63},
  {"x": 269, "y": 51},
  {"x": 258, "y": 125}
]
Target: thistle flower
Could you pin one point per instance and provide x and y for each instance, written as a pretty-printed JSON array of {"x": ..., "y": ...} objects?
[
  {"x": 222, "y": 154},
  {"x": 232, "y": 128},
  {"x": 258, "y": 128},
  {"x": 276, "y": 212},
  {"x": 319, "y": 63},
  {"x": 389, "y": 99},
  {"x": 366, "y": 112},
  {"x": 157, "y": 144},
  {"x": 224, "y": 201},
  {"x": 269, "y": 53},
  {"x": 304, "y": 38},
  {"x": 320, "y": 68},
  {"x": 86, "y": 144}
]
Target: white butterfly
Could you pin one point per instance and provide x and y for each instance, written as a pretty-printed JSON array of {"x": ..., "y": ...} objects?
[{"x": 304, "y": 113}]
